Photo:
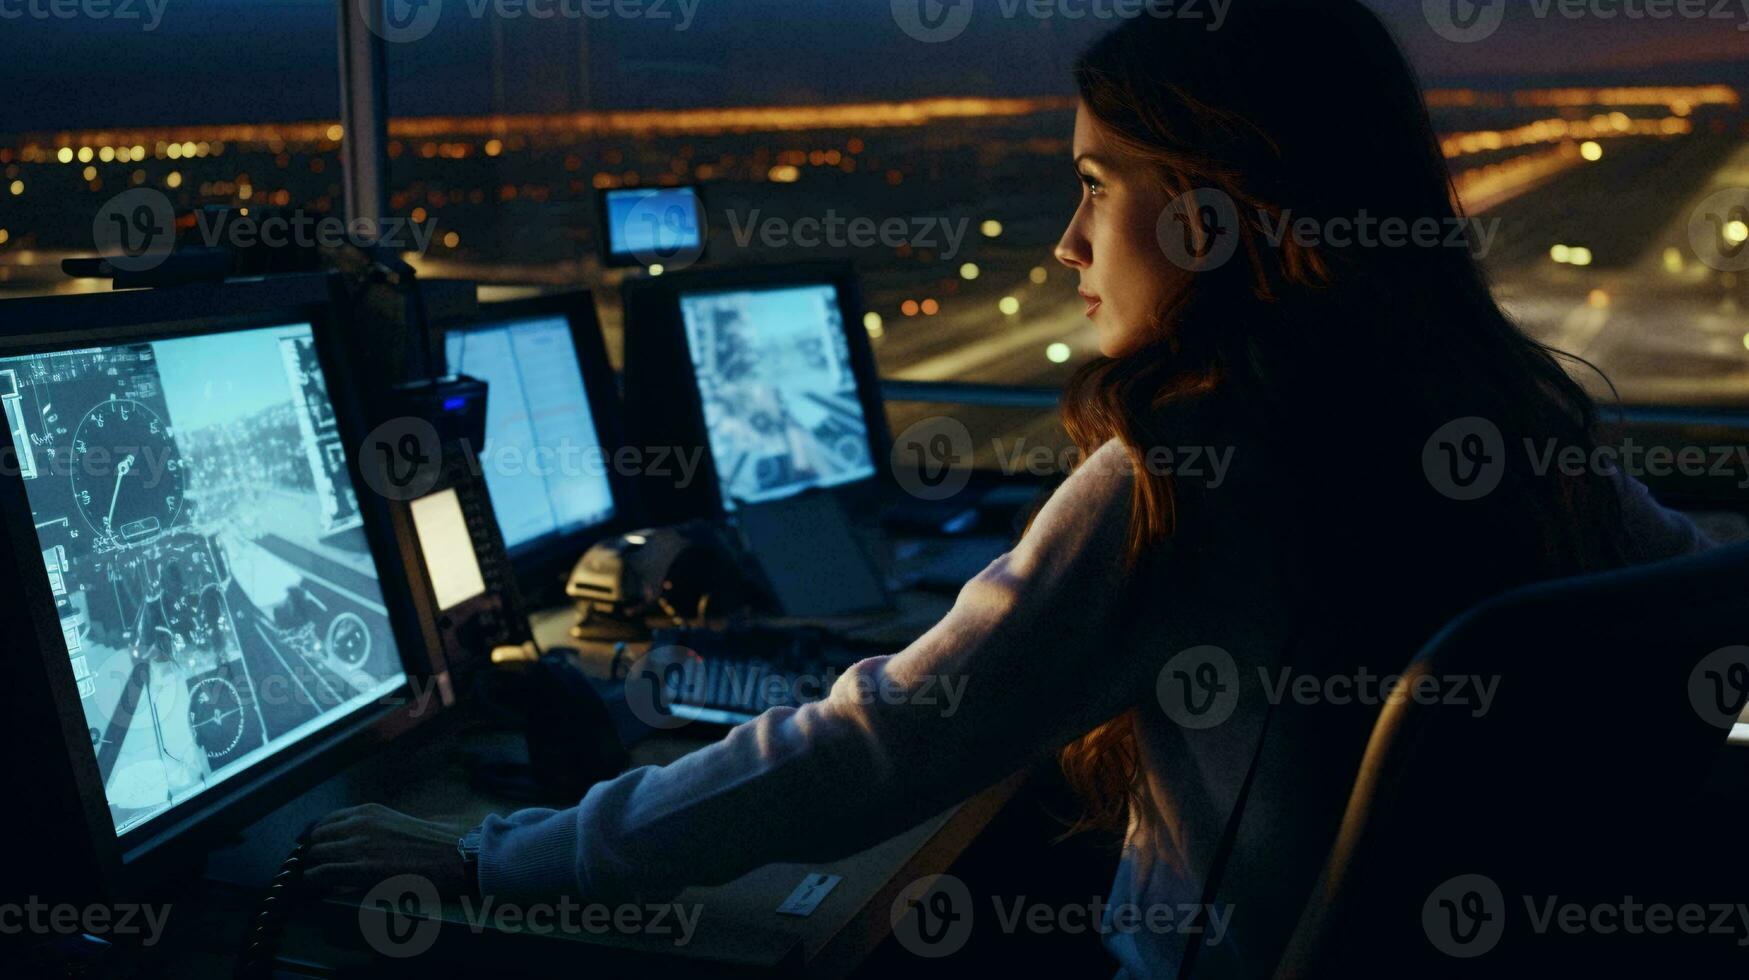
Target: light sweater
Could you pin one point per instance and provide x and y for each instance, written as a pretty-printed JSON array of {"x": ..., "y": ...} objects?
[{"x": 1049, "y": 641}]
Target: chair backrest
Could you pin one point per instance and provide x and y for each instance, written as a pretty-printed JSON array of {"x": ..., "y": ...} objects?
[{"x": 1476, "y": 823}]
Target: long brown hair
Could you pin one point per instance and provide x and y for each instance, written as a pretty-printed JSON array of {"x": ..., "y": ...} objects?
[{"x": 1297, "y": 109}]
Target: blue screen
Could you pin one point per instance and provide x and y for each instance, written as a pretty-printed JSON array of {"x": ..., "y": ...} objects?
[
  {"x": 781, "y": 403},
  {"x": 202, "y": 540},
  {"x": 652, "y": 223},
  {"x": 545, "y": 467}
]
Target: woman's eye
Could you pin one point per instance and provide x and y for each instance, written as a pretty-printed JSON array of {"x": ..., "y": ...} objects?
[{"x": 1093, "y": 184}]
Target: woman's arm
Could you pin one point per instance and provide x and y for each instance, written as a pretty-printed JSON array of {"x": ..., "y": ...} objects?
[{"x": 1029, "y": 658}]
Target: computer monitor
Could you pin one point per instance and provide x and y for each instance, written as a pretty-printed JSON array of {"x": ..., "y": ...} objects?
[
  {"x": 768, "y": 369},
  {"x": 197, "y": 583},
  {"x": 552, "y": 425},
  {"x": 650, "y": 225}
]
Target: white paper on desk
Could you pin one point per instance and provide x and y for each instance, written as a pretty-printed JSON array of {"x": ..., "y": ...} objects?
[{"x": 809, "y": 894}]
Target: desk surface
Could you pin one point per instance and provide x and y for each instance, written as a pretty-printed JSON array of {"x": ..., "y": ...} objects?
[{"x": 738, "y": 925}]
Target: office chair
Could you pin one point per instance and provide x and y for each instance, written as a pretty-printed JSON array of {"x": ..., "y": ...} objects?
[{"x": 1583, "y": 785}]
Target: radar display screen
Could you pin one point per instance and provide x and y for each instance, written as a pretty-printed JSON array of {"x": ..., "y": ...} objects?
[
  {"x": 781, "y": 404},
  {"x": 202, "y": 541}
]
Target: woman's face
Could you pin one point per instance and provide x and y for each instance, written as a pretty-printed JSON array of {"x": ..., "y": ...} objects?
[{"x": 1112, "y": 242}]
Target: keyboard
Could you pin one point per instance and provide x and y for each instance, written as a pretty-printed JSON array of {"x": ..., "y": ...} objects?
[{"x": 731, "y": 675}]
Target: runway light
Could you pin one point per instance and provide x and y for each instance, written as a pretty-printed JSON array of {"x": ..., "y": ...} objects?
[
  {"x": 991, "y": 228},
  {"x": 1737, "y": 232},
  {"x": 1673, "y": 260},
  {"x": 65, "y": 155},
  {"x": 656, "y": 269},
  {"x": 106, "y": 154},
  {"x": 1581, "y": 256},
  {"x": 1058, "y": 353},
  {"x": 451, "y": 239},
  {"x": 335, "y": 132},
  {"x": 1591, "y": 150},
  {"x": 85, "y": 154},
  {"x": 90, "y": 173},
  {"x": 1561, "y": 254},
  {"x": 1008, "y": 305},
  {"x": 1598, "y": 299},
  {"x": 909, "y": 307},
  {"x": 1746, "y": 341},
  {"x": 5, "y": 236},
  {"x": 1038, "y": 275},
  {"x": 871, "y": 321},
  {"x": 969, "y": 271},
  {"x": 931, "y": 307},
  {"x": 174, "y": 180}
]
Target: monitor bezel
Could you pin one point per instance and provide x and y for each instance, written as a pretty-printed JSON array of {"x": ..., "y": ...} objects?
[
  {"x": 542, "y": 563},
  {"x": 171, "y": 843},
  {"x": 656, "y": 348},
  {"x": 629, "y": 260}
]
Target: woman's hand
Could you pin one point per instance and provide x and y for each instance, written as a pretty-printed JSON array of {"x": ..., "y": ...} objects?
[{"x": 357, "y": 848}]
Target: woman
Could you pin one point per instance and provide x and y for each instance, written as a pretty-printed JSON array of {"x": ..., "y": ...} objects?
[{"x": 1362, "y": 388}]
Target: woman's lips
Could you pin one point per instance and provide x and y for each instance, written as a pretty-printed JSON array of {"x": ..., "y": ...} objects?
[{"x": 1092, "y": 301}]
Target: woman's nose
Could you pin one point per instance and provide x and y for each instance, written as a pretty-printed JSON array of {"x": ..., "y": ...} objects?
[{"x": 1072, "y": 248}]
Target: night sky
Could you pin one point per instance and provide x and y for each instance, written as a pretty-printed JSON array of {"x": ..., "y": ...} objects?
[{"x": 258, "y": 60}]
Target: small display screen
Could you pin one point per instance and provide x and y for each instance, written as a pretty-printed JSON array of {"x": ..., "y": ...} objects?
[
  {"x": 448, "y": 549},
  {"x": 651, "y": 224}
]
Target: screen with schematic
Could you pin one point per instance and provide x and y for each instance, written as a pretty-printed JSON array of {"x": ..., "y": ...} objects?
[
  {"x": 202, "y": 540},
  {"x": 545, "y": 467},
  {"x": 781, "y": 405}
]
